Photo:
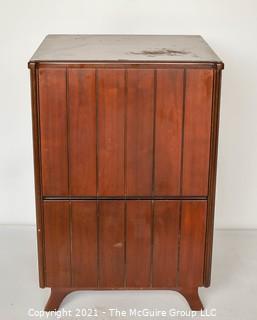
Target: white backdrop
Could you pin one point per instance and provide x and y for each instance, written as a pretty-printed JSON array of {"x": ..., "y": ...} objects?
[{"x": 229, "y": 26}]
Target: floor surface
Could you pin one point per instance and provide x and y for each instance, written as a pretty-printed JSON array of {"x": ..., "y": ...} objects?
[{"x": 233, "y": 294}]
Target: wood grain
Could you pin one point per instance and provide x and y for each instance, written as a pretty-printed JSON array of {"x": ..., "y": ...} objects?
[
  {"x": 53, "y": 130},
  {"x": 192, "y": 243},
  {"x": 197, "y": 128},
  {"x": 57, "y": 244},
  {"x": 138, "y": 243},
  {"x": 82, "y": 131},
  {"x": 168, "y": 137},
  {"x": 84, "y": 244},
  {"x": 140, "y": 121},
  {"x": 111, "y": 244},
  {"x": 165, "y": 244},
  {"x": 111, "y": 106}
]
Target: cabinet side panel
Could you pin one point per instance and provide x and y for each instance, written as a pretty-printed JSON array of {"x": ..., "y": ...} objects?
[
  {"x": 111, "y": 107},
  {"x": 37, "y": 172},
  {"x": 192, "y": 243},
  {"x": 84, "y": 244},
  {"x": 138, "y": 243},
  {"x": 111, "y": 244},
  {"x": 82, "y": 131},
  {"x": 197, "y": 128},
  {"x": 140, "y": 120},
  {"x": 168, "y": 136},
  {"x": 53, "y": 125},
  {"x": 57, "y": 244},
  {"x": 212, "y": 178},
  {"x": 165, "y": 244}
]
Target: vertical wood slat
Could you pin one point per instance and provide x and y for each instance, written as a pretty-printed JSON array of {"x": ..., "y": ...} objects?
[
  {"x": 192, "y": 243},
  {"x": 53, "y": 129},
  {"x": 111, "y": 244},
  {"x": 197, "y": 128},
  {"x": 165, "y": 245},
  {"x": 139, "y": 144},
  {"x": 84, "y": 244},
  {"x": 168, "y": 136},
  {"x": 82, "y": 131},
  {"x": 111, "y": 108},
  {"x": 57, "y": 244},
  {"x": 138, "y": 244}
]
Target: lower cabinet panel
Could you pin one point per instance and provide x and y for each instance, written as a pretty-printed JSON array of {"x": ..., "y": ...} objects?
[{"x": 119, "y": 244}]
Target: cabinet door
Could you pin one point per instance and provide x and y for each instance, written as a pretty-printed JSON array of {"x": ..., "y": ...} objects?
[
  {"x": 118, "y": 244},
  {"x": 111, "y": 132}
]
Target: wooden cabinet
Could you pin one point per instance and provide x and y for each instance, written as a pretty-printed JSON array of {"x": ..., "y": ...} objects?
[{"x": 125, "y": 146}]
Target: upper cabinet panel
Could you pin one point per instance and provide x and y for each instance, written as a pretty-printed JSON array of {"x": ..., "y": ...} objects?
[
  {"x": 117, "y": 132},
  {"x": 53, "y": 126}
]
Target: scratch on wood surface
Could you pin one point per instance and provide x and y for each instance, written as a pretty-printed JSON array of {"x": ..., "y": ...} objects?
[{"x": 164, "y": 51}]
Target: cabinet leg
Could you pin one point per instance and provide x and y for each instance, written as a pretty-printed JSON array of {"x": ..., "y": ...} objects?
[
  {"x": 192, "y": 297},
  {"x": 56, "y": 297}
]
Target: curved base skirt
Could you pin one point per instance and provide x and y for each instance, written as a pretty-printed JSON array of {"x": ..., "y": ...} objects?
[{"x": 58, "y": 294}]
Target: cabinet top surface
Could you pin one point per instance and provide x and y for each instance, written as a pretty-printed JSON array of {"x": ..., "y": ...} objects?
[{"x": 124, "y": 48}]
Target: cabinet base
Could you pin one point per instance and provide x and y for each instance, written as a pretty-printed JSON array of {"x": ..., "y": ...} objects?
[{"x": 58, "y": 294}]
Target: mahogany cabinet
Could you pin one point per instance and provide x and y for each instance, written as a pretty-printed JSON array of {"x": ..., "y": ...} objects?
[{"x": 125, "y": 146}]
